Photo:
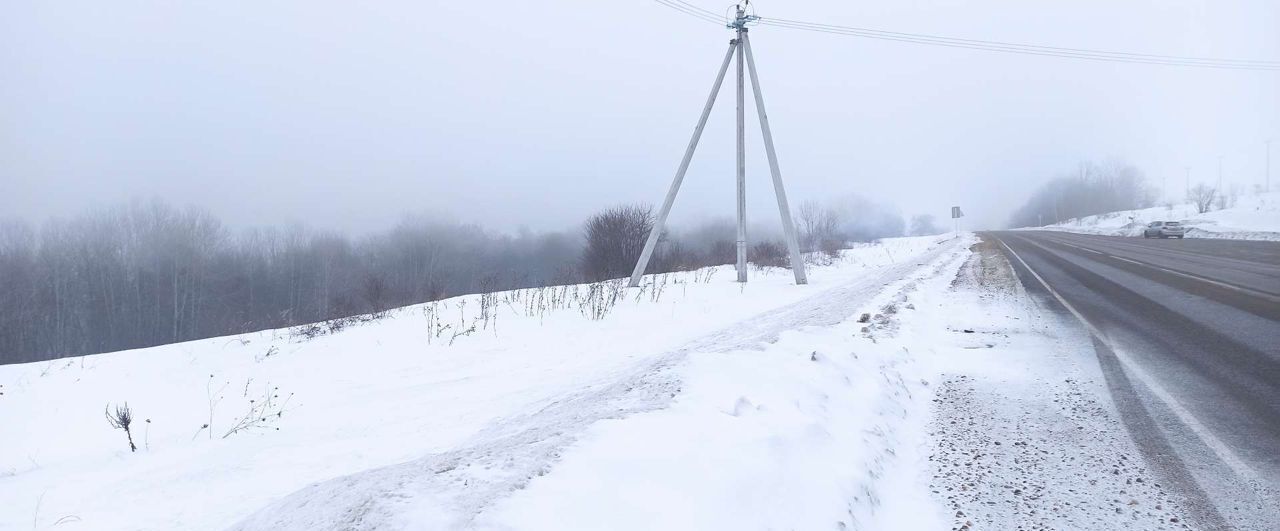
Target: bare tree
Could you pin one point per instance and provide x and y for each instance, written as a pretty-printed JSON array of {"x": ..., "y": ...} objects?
[
  {"x": 1202, "y": 196},
  {"x": 146, "y": 273},
  {"x": 819, "y": 227},
  {"x": 614, "y": 240},
  {"x": 1092, "y": 189}
]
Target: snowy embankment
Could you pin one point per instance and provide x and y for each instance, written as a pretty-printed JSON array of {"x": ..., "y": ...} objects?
[
  {"x": 1254, "y": 217},
  {"x": 693, "y": 403}
]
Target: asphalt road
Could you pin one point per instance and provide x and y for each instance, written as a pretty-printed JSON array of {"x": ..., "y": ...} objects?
[{"x": 1188, "y": 336}]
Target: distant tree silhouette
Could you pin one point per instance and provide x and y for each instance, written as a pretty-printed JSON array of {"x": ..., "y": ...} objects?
[{"x": 614, "y": 239}]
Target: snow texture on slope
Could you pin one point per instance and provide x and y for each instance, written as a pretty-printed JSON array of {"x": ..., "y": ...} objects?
[
  {"x": 1255, "y": 217},
  {"x": 453, "y": 489}
]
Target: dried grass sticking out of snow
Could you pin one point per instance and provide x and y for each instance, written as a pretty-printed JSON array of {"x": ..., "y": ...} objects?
[{"x": 489, "y": 407}]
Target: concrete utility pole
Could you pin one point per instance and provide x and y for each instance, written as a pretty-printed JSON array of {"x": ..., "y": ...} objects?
[
  {"x": 1187, "y": 191},
  {"x": 742, "y": 157},
  {"x": 1267, "y": 186},
  {"x": 741, "y": 45}
]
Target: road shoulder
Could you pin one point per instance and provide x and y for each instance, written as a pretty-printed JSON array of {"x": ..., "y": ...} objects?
[{"x": 1024, "y": 433}]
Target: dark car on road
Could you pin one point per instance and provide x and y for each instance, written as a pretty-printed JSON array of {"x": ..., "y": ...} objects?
[{"x": 1164, "y": 229}]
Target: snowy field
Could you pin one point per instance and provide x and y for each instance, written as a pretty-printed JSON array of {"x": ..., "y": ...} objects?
[
  {"x": 912, "y": 385},
  {"x": 694, "y": 403},
  {"x": 1254, "y": 217}
]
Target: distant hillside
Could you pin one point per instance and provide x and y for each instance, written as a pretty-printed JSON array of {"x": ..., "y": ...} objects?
[{"x": 1253, "y": 217}]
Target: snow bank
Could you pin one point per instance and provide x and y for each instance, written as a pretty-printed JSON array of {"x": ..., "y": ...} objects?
[
  {"x": 1255, "y": 217},
  {"x": 818, "y": 430},
  {"x": 469, "y": 418}
]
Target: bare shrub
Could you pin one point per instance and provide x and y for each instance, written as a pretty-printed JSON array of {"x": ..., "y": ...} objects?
[
  {"x": 769, "y": 253},
  {"x": 831, "y": 248},
  {"x": 675, "y": 256},
  {"x": 120, "y": 420},
  {"x": 819, "y": 225},
  {"x": 1202, "y": 196},
  {"x": 614, "y": 240},
  {"x": 722, "y": 252},
  {"x": 306, "y": 332},
  {"x": 262, "y": 411}
]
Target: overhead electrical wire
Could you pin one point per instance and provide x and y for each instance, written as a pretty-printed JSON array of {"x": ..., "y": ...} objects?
[
  {"x": 692, "y": 10},
  {"x": 1027, "y": 49},
  {"x": 989, "y": 45}
]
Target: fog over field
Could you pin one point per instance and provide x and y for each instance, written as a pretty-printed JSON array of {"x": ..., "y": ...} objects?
[
  {"x": 329, "y": 265},
  {"x": 526, "y": 114}
]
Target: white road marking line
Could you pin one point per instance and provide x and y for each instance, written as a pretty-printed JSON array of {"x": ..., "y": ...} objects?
[{"x": 1219, "y": 448}]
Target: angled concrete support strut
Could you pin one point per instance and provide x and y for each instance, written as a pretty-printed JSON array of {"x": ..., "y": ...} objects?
[
  {"x": 661, "y": 221},
  {"x": 788, "y": 225}
]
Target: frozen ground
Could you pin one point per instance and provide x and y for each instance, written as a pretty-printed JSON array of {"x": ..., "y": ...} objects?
[
  {"x": 388, "y": 424},
  {"x": 1254, "y": 217}
]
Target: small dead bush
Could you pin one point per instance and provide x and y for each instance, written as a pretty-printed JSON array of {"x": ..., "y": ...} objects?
[
  {"x": 262, "y": 412},
  {"x": 769, "y": 254},
  {"x": 120, "y": 420}
]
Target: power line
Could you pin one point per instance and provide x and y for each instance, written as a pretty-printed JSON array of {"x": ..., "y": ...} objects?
[
  {"x": 1031, "y": 46},
  {"x": 992, "y": 46},
  {"x": 696, "y": 8},
  {"x": 1027, "y": 49},
  {"x": 692, "y": 11}
]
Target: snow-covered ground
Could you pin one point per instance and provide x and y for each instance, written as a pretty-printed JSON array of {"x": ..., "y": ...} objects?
[
  {"x": 696, "y": 402},
  {"x": 1254, "y": 217},
  {"x": 912, "y": 385}
]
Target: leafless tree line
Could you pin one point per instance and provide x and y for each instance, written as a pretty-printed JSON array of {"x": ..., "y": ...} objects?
[
  {"x": 615, "y": 237},
  {"x": 1095, "y": 189},
  {"x": 147, "y": 273}
]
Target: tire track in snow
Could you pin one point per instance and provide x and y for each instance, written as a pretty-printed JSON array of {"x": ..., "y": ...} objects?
[{"x": 449, "y": 489}]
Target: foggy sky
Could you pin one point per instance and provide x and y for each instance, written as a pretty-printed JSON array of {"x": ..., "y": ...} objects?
[{"x": 349, "y": 115}]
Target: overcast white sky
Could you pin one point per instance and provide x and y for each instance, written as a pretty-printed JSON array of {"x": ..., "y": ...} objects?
[{"x": 348, "y": 115}]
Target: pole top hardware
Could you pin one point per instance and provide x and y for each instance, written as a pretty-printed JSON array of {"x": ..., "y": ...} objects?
[{"x": 739, "y": 16}]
